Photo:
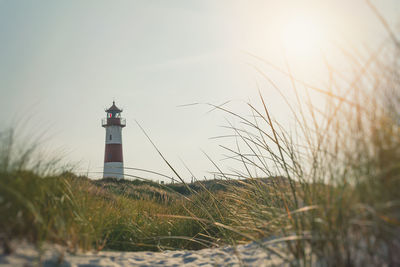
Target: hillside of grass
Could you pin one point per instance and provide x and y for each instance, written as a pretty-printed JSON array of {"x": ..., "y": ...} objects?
[
  {"x": 80, "y": 213},
  {"x": 132, "y": 215},
  {"x": 137, "y": 189},
  {"x": 220, "y": 185}
]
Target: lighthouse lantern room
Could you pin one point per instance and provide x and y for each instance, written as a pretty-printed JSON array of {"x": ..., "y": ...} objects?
[{"x": 113, "y": 159}]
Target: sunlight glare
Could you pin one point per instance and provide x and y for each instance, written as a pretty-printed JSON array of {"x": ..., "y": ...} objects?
[{"x": 302, "y": 36}]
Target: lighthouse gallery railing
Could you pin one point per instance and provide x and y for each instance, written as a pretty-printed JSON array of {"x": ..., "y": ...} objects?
[{"x": 113, "y": 121}]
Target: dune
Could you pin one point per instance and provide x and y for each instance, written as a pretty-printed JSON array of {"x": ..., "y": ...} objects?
[{"x": 242, "y": 255}]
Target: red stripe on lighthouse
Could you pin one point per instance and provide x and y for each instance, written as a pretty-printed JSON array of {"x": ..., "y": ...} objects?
[{"x": 113, "y": 153}]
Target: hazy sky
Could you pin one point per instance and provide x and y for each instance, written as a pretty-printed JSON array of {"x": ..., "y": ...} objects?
[{"x": 62, "y": 63}]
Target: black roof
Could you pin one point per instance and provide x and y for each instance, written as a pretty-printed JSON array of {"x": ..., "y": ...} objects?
[{"x": 113, "y": 108}]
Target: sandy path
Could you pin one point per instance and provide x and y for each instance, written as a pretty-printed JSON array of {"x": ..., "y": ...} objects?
[{"x": 244, "y": 255}]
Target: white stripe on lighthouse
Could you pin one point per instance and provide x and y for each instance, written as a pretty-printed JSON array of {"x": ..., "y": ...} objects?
[
  {"x": 113, "y": 134},
  {"x": 113, "y": 169}
]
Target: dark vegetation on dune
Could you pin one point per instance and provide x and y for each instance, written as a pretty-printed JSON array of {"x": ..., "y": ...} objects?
[{"x": 97, "y": 214}]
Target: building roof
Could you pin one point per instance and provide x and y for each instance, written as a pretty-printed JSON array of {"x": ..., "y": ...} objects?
[{"x": 113, "y": 108}]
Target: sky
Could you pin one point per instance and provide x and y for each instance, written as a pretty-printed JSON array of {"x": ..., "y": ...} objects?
[{"x": 63, "y": 63}]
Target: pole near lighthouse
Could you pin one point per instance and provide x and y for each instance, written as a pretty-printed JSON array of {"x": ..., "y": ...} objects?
[{"x": 113, "y": 159}]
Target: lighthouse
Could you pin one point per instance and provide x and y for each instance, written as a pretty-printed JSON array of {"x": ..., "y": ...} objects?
[{"x": 113, "y": 160}]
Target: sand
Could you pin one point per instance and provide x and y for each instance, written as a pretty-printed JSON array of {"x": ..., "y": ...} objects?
[{"x": 243, "y": 255}]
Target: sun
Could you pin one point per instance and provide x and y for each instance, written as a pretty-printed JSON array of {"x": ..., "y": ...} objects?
[{"x": 302, "y": 36}]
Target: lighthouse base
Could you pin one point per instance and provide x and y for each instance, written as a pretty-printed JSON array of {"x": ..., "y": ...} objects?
[{"x": 113, "y": 170}]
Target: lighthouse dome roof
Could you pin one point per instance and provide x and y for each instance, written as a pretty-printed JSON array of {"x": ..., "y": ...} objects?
[{"x": 113, "y": 108}]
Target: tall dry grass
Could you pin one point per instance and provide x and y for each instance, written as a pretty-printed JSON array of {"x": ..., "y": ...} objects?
[{"x": 332, "y": 196}]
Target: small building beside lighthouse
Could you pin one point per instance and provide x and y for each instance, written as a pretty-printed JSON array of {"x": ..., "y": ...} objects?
[{"x": 113, "y": 158}]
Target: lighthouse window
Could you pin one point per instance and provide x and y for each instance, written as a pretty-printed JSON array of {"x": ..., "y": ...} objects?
[{"x": 110, "y": 137}]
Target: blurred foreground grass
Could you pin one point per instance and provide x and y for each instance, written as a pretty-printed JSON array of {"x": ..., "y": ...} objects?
[{"x": 105, "y": 214}]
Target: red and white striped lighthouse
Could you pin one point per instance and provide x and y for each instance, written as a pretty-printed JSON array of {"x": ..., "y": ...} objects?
[{"x": 113, "y": 160}]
